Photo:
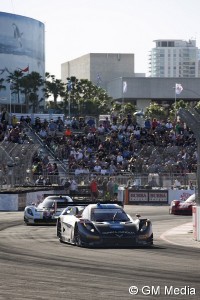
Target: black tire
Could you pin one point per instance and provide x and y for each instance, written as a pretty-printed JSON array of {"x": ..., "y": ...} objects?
[
  {"x": 58, "y": 229},
  {"x": 26, "y": 222},
  {"x": 77, "y": 238}
]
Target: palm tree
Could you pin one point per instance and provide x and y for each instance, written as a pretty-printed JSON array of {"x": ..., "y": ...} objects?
[
  {"x": 53, "y": 87},
  {"x": 2, "y": 87},
  {"x": 30, "y": 86},
  {"x": 86, "y": 98},
  {"x": 26, "y": 90},
  {"x": 15, "y": 78}
]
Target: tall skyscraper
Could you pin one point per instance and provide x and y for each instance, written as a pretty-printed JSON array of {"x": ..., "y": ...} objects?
[{"x": 174, "y": 58}]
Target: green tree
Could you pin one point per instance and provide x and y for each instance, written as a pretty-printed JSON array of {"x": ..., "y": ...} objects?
[
  {"x": 14, "y": 79},
  {"x": 30, "y": 85},
  {"x": 54, "y": 87},
  {"x": 155, "y": 111},
  {"x": 176, "y": 106},
  {"x": 197, "y": 106},
  {"x": 85, "y": 98}
]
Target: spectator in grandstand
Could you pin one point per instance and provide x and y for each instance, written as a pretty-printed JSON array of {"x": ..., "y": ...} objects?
[
  {"x": 147, "y": 124},
  {"x": 40, "y": 180},
  {"x": 110, "y": 188},
  {"x": 94, "y": 189},
  {"x": 153, "y": 182},
  {"x": 100, "y": 129},
  {"x": 169, "y": 125},
  {"x": 4, "y": 118},
  {"x": 106, "y": 125},
  {"x": 38, "y": 124},
  {"x": 112, "y": 168},
  {"x": 79, "y": 170},
  {"x": 97, "y": 167},
  {"x": 115, "y": 190},
  {"x": 104, "y": 170},
  {"x": 154, "y": 123},
  {"x": 54, "y": 169},
  {"x": 79, "y": 155},
  {"x": 45, "y": 160},
  {"x": 52, "y": 127},
  {"x": 74, "y": 123},
  {"x": 60, "y": 124},
  {"x": 28, "y": 182},
  {"x": 91, "y": 122},
  {"x": 67, "y": 122},
  {"x": 28, "y": 120},
  {"x": 73, "y": 187},
  {"x": 48, "y": 181},
  {"x": 42, "y": 133},
  {"x": 15, "y": 135},
  {"x": 177, "y": 183},
  {"x": 14, "y": 120},
  {"x": 119, "y": 158}
]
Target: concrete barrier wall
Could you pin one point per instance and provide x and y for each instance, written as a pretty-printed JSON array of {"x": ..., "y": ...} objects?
[{"x": 16, "y": 202}]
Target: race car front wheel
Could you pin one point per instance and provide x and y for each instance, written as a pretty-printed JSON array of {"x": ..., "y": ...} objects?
[{"x": 77, "y": 238}]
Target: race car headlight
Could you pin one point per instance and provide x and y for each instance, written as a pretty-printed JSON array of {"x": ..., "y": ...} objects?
[
  {"x": 89, "y": 227},
  {"x": 29, "y": 211},
  {"x": 144, "y": 226}
]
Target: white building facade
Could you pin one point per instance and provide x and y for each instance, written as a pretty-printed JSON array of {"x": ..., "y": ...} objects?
[
  {"x": 174, "y": 58},
  {"x": 99, "y": 68}
]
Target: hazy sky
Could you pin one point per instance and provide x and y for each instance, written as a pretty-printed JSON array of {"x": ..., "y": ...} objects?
[{"x": 77, "y": 27}]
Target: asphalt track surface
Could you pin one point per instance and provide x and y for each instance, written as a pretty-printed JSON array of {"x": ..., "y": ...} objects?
[{"x": 35, "y": 265}]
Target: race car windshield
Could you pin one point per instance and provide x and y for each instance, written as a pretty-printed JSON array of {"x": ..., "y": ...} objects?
[
  {"x": 103, "y": 215},
  {"x": 51, "y": 203},
  {"x": 190, "y": 199}
]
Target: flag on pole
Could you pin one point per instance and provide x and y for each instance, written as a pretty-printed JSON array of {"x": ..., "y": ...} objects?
[
  {"x": 98, "y": 79},
  {"x": 25, "y": 70},
  {"x": 69, "y": 86},
  {"x": 178, "y": 88},
  {"x": 124, "y": 87}
]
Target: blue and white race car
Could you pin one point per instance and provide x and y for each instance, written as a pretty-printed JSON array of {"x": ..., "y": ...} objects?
[
  {"x": 47, "y": 211},
  {"x": 101, "y": 224}
]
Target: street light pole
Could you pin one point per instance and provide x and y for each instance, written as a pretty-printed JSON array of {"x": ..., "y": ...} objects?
[{"x": 10, "y": 102}]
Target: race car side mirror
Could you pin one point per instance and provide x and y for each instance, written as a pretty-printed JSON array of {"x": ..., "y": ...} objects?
[{"x": 138, "y": 216}]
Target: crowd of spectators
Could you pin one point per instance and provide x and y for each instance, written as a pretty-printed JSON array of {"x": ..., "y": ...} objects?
[
  {"x": 107, "y": 148},
  {"x": 113, "y": 147}
]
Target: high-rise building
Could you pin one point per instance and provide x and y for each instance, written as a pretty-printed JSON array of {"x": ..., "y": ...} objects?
[{"x": 174, "y": 58}]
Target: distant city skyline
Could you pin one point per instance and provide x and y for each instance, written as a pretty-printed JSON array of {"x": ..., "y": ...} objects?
[{"x": 75, "y": 28}]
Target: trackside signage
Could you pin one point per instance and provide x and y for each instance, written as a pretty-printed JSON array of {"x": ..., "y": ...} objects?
[
  {"x": 157, "y": 196},
  {"x": 138, "y": 196},
  {"x": 161, "y": 197}
]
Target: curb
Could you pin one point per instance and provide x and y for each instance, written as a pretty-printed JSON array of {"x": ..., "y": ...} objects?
[{"x": 181, "y": 235}]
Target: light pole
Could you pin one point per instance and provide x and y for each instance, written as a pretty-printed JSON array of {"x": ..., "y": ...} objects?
[
  {"x": 10, "y": 102},
  {"x": 178, "y": 89},
  {"x": 69, "y": 88}
]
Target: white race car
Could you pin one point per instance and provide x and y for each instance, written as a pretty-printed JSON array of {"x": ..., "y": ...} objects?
[
  {"x": 47, "y": 211},
  {"x": 102, "y": 225}
]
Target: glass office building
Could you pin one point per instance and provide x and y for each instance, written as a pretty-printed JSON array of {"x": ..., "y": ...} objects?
[{"x": 174, "y": 58}]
